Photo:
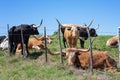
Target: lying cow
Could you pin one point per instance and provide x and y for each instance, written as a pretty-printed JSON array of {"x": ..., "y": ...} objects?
[
  {"x": 3, "y": 42},
  {"x": 2, "y": 38},
  {"x": 37, "y": 42},
  {"x": 79, "y": 58},
  {"x": 112, "y": 42}
]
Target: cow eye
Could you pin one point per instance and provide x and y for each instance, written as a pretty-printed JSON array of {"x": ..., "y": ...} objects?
[
  {"x": 34, "y": 28},
  {"x": 78, "y": 28},
  {"x": 42, "y": 39},
  {"x": 68, "y": 28}
]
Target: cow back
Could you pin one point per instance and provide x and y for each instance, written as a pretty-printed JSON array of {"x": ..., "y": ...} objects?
[
  {"x": 2, "y": 38},
  {"x": 112, "y": 42}
]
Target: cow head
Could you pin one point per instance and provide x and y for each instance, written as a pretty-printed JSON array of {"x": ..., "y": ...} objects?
[
  {"x": 41, "y": 41},
  {"x": 93, "y": 31},
  {"x": 34, "y": 28},
  {"x": 48, "y": 39},
  {"x": 72, "y": 30},
  {"x": 84, "y": 33},
  {"x": 72, "y": 55}
]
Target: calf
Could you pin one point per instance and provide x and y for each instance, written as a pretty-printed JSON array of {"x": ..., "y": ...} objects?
[
  {"x": 112, "y": 42},
  {"x": 101, "y": 60}
]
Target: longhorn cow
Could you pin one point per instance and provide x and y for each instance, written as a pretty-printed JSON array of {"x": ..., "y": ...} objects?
[
  {"x": 15, "y": 36},
  {"x": 71, "y": 33},
  {"x": 81, "y": 58}
]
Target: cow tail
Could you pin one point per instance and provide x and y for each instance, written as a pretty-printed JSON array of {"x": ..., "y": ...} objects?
[{"x": 48, "y": 50}]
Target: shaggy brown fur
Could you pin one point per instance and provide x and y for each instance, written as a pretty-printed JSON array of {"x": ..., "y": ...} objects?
[{"x": 101, "y": 60}]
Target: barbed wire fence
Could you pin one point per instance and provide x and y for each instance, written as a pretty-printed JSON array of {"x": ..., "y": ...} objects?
[
  {"x": 43, "y": 32},
  {"x": 50, "y": 31}
]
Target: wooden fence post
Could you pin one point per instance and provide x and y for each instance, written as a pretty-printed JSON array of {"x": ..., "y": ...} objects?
[
  {"x": 59, "y": 41},
  {"x": 91, "y": 56},
  {"x": 119, "y": 42},
  {"x": 8, "y": 40},
  {"x": 46, "y": 59},
  {"x": 23, "y": 45}
]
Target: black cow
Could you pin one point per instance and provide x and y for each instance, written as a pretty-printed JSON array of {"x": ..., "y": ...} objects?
[
  {"x": 15, "y": 36},
  {"x": 84, "y": 35},
  {"x": 2, "y": 38}
]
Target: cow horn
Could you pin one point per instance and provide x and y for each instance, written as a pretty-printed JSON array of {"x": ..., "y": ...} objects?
[
  {"x": 78, "y": 49},
  {"x": 90, "y": 24},
  {"x": 60, "y": 25},
  {"x": 55, "y": 53},
  {"x": 36, "y": 26},
  {"x": 40, "y": 23},
  {"x": 97, "y": 27},
  {"x": 85, "y": 50}
]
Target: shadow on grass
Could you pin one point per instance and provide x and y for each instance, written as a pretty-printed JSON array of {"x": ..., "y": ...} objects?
[{"x": 35, "y": 55}]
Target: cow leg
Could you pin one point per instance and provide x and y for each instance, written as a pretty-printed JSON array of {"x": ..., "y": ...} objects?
[
  {"x": 22, "y": 51},
  {"x": 64, "y": 42},
  {"x": 110, "y": 63},
  {"x": 82, "y": 43},
  {"x": 27, "y": 49},
  {"x": 14, "y": 49},
  {"x": 11, "y": 47}
]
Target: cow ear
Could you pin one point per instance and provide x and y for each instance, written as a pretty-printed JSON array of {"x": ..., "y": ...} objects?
[
  {"x": 68, "y": 28},
  {"x": 51, "y": 38},
  {"x": 41, "y": 38}
]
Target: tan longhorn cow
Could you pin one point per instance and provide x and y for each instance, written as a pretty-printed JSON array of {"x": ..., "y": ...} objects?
[
  {"x": 71, "y": 33},
  {"x": 36, "y": 42}
]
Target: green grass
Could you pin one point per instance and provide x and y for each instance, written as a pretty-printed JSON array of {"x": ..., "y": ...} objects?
[{"x": 35, "y": 67}]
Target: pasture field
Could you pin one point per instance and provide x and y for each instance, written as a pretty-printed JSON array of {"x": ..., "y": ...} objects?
[{"x": 35, "y": 68}]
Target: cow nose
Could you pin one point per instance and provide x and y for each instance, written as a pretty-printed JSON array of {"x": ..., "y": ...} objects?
[
  {"x": 50, "y": 42},
  {"x": 70, "y": 63},
  {"x": 38, "y": 33},
  {"x": 96, "y": 35}
]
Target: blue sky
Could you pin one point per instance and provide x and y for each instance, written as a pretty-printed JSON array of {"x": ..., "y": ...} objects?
[{"x": 106, "y": 13}]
